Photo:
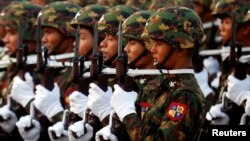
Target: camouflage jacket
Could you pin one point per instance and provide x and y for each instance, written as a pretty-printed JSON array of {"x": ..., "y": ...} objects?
[{"x": 173, "y": 108}]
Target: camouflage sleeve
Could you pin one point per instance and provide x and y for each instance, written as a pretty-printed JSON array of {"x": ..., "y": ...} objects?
[
  {"x": 179, "y": 119},
  {"x": 183, "y": 117}
]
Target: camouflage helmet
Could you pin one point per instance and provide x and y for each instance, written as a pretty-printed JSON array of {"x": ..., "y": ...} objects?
[
  {"x": 206, "y": 3},
  {"x": 110, "y": 2},
  {"x": 109, "y": 22},
  {"x": 58, "y": 15},
  {"x": 180, "y": 27},
  {"x": 156, "y": 4},
  {"x": 226, "y": 8},
  {"x": 88, "y": 15},
  {"x": 142, "y": 4},
  {"x": 25, "y": 11},
  {"x": 134, "y": 25}
]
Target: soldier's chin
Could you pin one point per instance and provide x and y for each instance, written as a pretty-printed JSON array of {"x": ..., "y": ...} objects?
[{"x": 156, "y": 63}]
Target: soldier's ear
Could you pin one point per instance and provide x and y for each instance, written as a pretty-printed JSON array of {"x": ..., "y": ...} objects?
[{"x": 246, "y": 30}]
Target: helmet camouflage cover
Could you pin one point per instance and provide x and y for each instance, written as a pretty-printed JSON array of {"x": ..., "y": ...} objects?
[
  {"x": 25, "y": 11},
  {"x": 134, "y": 25},
  {"x": 156, "y": 4},
  {"x": 58, "y": 15},
  {"x": 109, "y": 22},
  {"x": 226, "y": 7},
  {"x": 178, "y": 26},
  {"x": 89, "y": 15}
]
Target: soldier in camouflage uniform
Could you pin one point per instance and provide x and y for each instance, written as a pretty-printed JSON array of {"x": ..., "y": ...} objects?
[
  {"x": 58, "y": 38},
  {"x": 233, "y": 86},
  {"x": 20, "y": 95},
  {"x": 176, "y": 105},
  {"x": 224, "y": 10},
  {"x": 86, "y": 18},
  {"x": 109, "y": 25}
]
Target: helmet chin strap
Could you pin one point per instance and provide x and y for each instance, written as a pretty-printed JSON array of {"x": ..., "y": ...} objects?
[
  {"x": 109, "y": 61},
  {"x": 160, "y": 65},
  {"x": 137, "y": 59}
]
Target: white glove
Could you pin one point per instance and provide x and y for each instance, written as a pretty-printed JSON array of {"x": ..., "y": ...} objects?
[
  {"x": 23, "y": 91},
  {"x": 217, "y": 116},
  {"x": 32, "y": 134},
  {"x": 212, "y": 65},
  {"x": 78, "y": 129},
  {"x": 216, "y": 82},
  {"x": 99, "y": 101},
  {"x": 78, "y": 103},
  {"x": 9, "y": 117},
  {"x": 48, "y": 102},
  {"x": 105, "y": 132},
  {"x": 247, "y": 107},
  {"x": 202, "y": 79},
  {"x": 58, "y": 129},
  {"x": 243, "y": 120},
  {"x": 238, "y": 90},
  {"x": 123, "y": 102}
]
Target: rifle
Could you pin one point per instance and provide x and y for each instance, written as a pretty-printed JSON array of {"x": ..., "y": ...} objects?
[
  {"x": 46, "y": 77},
  {"x": 124, "y": 81},
  {"x": 81, "y": 83},
  {"x": 97, "y": 77},
  {"x": 240, "y": 69}
]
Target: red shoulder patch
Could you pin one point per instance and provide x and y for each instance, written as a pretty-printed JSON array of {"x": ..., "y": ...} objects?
[{"x": 176, "y": 111}]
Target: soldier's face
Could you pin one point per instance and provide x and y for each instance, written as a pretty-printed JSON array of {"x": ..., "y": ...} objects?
[
  {"x": 109, "y": 46},
  {"x": 159, "y": 51},
  {"x": 11, "y": 40},
  {"x": 51, "y": 38},
  {"x": 86, "y": 42},
  {"x": 225, "y": 29},
  {"x": 133, "y": 49}
]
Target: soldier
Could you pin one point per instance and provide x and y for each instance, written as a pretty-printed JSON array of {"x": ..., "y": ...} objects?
[
  {"x": 21, "y": 92},
  {"x": 85, "y": 18},
  {"x": 58, "y": 38},
  {"x": 176, "y": 96},
  {"x": 138, "y": 54},
  {"x": 98, "y": 99},
  {"x": 224, "y": 10}
]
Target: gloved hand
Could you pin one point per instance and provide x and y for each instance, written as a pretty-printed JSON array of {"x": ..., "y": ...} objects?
[
  {"x": 23, "y": 91},
  {"x": 216, "y": 115},
  {"x": 202, "y": 79},
  {"x": 123, "y": 102},
  {"x": 32, "y": 134},
  {"x": 243, "y": 120},
  {"x": 57, "y": 131},
  {"x": 216, "y": 82},
  {"x": 238, "y": 90},
  {"x": 60, "y": 133},
  {"x": 48, "y": 102},
  {"x": 247, "y": 107},
  {"x": 99, "y": 101},
  {"x": 78, "y": 129},
  {"x": 212, "y": 65},
  {"x": 9, "y": 117},
  {"x": 78, "y": 103},
  {"x": 105, "y": 132}
]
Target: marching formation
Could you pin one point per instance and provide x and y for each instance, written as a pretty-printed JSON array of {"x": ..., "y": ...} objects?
[{"x": 75, "y": 70}]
